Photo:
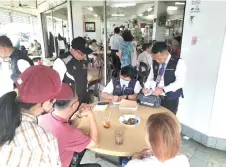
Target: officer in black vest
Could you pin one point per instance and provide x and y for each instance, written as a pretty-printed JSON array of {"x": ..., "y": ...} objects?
[
  {"x": 167, "y": 77},
  {"x": 123, "y": 87},
  {"x": 16, "y": 59},
  {"x": 72, "y": 67}
]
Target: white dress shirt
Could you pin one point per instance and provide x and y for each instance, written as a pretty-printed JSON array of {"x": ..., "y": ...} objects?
[
  {"x": 178, "y": 161},
  {"x": 5, "y": 74},
  {"x": 110, "y": 87},
  {"x": 115, "y": 41},
  {"x": 180, "y": 74},
  {"x": 145, "y": 57}
]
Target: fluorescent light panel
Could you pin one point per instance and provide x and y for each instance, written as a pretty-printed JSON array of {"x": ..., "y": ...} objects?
[
  {"x": 149, "y": 9},
  {"x": 118, "y": 15},
  {"x": 141, "y": 14},
  {"x": 123, "y": 5},
  {"x": 90, "y": 9},
  {"x": 179, "y": 3},
  {"x": 95, "y": 15},
  {"x": 172, "y": 8}
]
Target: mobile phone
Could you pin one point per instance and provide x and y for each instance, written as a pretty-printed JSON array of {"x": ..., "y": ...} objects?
[{"x": 103, "y": 103}]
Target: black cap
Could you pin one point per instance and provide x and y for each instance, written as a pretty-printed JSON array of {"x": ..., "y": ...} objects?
[{"x": 79, "y": 43}]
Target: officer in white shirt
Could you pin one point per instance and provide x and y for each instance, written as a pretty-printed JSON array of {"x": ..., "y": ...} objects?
[
  {"x": 115, "y": 42},
  {"x": 124, "y": 87},
  {"x": 12, "y": 63},
  {"x": 167, "y": 77}
]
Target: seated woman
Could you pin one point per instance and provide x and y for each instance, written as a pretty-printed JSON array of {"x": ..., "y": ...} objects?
[
  {"x": 124, "y": 87},
  {"x": 163, "y": 138}
]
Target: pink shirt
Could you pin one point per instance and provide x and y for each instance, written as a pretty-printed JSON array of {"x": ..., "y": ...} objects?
[{"x": 70, "y": 139}]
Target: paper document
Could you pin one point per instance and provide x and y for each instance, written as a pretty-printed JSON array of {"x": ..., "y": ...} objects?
[
  {"x": 100, "y": 107},
  {"x": 128, "y": 104}
]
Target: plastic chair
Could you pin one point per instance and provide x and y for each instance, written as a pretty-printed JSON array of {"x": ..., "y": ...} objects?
[{"x": 94, "y": 92}]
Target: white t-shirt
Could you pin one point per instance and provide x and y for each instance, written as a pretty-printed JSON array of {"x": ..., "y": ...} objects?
[
  {"x": 178, "y": 161},
  {"x": 110, "y": 87},
  {"x": 6, "y": 84}
]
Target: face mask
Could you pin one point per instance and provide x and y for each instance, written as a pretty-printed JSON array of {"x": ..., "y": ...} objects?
[{"x": 124, "y": 82}]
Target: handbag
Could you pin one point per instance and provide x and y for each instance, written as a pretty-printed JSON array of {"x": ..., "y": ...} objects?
[{"x": 151, "y": 100}]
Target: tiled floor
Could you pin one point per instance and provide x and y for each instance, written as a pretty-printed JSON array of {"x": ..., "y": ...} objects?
[{"x": 198, "y": 155}]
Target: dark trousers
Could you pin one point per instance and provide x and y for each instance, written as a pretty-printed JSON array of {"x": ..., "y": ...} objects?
[
  {"x": 171, "y": 105},
  {"x": 116, "y": 61}
]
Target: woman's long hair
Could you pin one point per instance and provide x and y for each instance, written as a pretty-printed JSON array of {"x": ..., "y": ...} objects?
[
  {"x": 164, "y": 136},
  {"x": 10, "y": 117}
]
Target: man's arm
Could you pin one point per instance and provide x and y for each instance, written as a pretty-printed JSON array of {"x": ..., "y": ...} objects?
[
  {"x": 180, "y": 74},
  {"x": 137, "y": 90},
  {"x": 93, "y": 131},
  {"x": 108, "y": 91},
  {"x": 60, "y": 67},
  {"x": 150, "y": 83}
]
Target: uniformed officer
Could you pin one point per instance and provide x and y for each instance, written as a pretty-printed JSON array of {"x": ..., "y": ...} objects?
[
  {"x": 167, "y": 77},
  {"x": 12, "y": 63},
  {"x": 123, "y": 87},
  {"x": 72, "y": 67}
]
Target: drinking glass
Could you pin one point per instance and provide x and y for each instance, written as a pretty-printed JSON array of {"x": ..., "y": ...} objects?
[
  {"x": 119, "y": 136},
  {"x": 106, "y": 122}
]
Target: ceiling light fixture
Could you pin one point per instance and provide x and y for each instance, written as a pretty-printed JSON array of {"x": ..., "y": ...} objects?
[
  {"x": 90, "y": 9},
  {"x": 118, "y": 15},
  {"x": 179, "y": 3},
  {"x": 123, "y": 5},
  {"x": 150, "y": 16},
  {"x": 95, "y": 15},
  {"x": 149, "y": 9},
  {"x": 172, "y": 8},
  {"x": 141, "y": 14}
]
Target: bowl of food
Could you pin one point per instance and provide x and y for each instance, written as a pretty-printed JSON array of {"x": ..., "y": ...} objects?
[{"x": 129, "y": 120}]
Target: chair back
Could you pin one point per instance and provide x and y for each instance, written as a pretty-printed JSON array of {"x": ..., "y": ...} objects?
[
  {"x": 143, "y": 74},
  {"x": 96, "y": 90}
]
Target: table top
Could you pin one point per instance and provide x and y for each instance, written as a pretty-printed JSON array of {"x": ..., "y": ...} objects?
[{"x": 134, "y": 137}]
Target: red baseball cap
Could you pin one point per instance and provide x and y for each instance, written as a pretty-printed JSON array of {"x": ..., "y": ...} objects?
[{"x": 40, "y": 83}]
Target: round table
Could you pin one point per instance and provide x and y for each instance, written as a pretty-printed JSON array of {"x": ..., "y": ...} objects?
[{"x": 134, "y": 137}]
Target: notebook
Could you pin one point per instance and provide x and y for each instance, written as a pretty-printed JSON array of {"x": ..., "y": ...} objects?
[{"x": 128, "y": 105}]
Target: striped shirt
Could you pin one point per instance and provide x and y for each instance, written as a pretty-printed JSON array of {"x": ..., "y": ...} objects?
[{"x": 31, "y": 146}]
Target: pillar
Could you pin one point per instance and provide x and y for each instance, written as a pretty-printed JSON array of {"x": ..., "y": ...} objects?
[
  {"x": 44, "y": 36},
  {"x": 75, "y": 19},
  {"x": 202, "y": 111},
  {"x": 159, "y": 31}
]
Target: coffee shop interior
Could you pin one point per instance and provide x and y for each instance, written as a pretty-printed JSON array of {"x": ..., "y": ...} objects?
[{"x": 54, "y": 24}]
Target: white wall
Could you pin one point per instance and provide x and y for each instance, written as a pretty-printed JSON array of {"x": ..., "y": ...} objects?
[
  {"x": 93, "y": 35},
  {"x": 203, "y": 60},
  {"x": 218, "y": 116}
]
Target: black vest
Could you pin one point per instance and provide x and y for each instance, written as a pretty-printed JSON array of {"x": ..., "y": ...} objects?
[
  {"x": 76, "y": 75},
  {"x": 127, "y": 90},
  {"x": 169, "y": 76},
  {"x": 15, "y": 56}
]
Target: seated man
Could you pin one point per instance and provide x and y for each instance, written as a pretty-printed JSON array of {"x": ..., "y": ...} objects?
[
  {"x": 124, "y": 87},
  {"x": 70, "y": 139}
]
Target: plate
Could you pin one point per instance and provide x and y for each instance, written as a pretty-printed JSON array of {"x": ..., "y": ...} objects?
[{"x": 126, "y": 117}]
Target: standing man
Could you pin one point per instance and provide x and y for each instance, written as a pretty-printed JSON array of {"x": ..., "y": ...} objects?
[
  {"x": 12, "y": 63},
  {"x": 72, "y": 67},
  {"x": 115, "y": 42},
  {"x": 167, "y": 77}
]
